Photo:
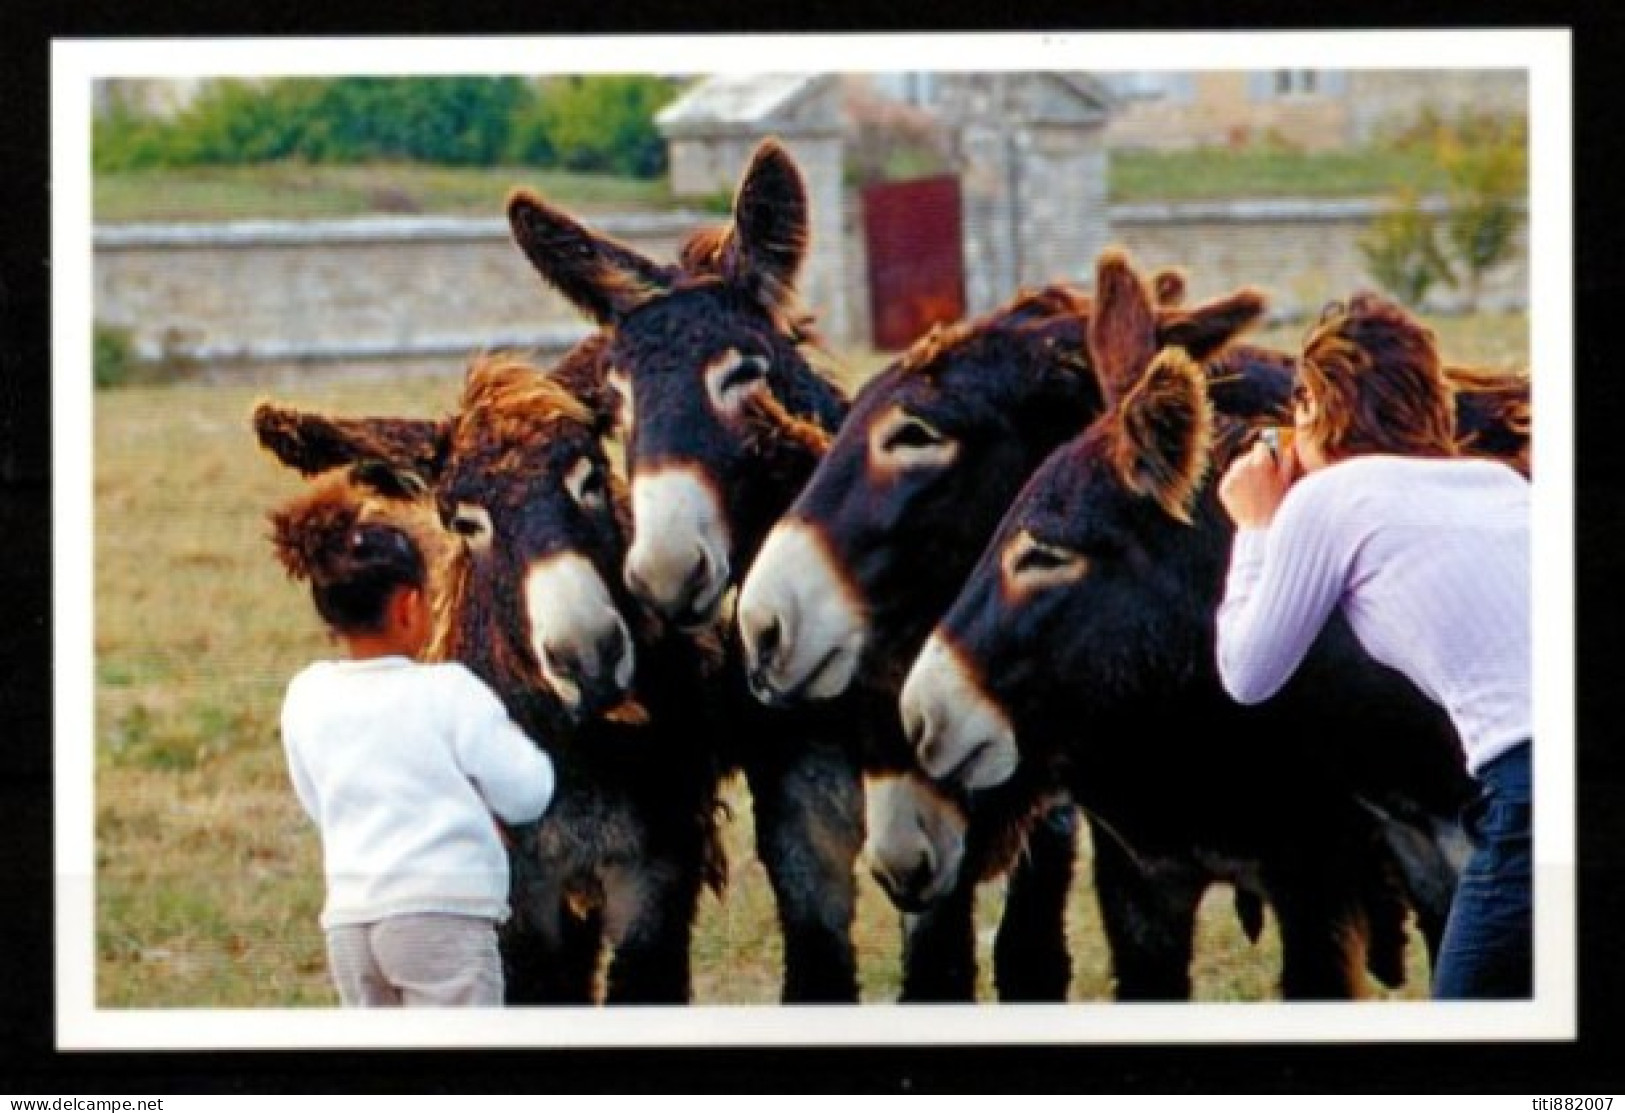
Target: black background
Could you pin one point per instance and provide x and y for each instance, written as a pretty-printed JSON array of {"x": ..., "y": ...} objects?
[{"x": 30, "y": 1065}]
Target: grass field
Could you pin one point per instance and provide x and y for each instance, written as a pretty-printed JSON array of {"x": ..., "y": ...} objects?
[
  {"x": 208, "y": 877},
  {"x": 300, "y": 190},
  {"x": 295, "y": 190}
]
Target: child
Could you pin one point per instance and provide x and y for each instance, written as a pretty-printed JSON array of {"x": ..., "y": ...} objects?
[{"x": 400, "y": 765}]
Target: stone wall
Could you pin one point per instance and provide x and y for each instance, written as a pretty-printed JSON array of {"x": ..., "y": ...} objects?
[
  {"x": 277, "y": 296},
  {"x": 1301, "y": 253},
  {"x": 373, "y": 296}
]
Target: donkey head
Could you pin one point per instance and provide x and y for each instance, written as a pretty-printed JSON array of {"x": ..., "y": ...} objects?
[
  {"x": 1080, "y": 601},
  {"x": 936, "y": 447},
  {"x": 528, "y": 489},
  {"x": 723, "y": 414},
  {"x": 534, "y": 519}
]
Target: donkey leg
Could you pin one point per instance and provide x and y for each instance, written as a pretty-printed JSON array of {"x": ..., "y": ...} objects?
[
  {"x": 939, "y": 947},
  {"x": 1429, "y": 854},
  {"x": 649, "y": 913},
  {"x": 1149, "y": 919},
  {"x": 809, "y": 829},
  {"x": 1031, "y": 961},
  {"x": 549, "y": 955},
  {"x": 1324, "y": 931}
]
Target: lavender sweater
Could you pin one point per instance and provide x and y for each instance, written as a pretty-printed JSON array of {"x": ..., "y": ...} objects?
[{"x": 1429, "y": 560}]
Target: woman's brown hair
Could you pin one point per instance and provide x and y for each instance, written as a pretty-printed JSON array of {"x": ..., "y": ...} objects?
[{"x": 1378, "y": 383}]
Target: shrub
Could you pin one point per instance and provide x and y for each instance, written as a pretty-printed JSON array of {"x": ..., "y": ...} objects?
[
  {"x": 460, "y": 121},
  {"x": 605, "y": 123},
  {"x": 113, "y": 358},
  {"x": 1488, "y": 178},
  {"x": 601, "y": 124},
  {"x": 126, "y": 139},
  {"x": 1485, "y": 163},
  {"x": 1402, "y": 251}
]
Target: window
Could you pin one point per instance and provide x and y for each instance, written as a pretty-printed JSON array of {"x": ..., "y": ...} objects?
[
  {"x": 1149, "y": 85},
  {"x": 1274, "y": 84},
  {"x": 918, "y": 89}
]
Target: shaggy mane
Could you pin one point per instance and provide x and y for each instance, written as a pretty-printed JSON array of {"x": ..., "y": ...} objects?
[
  {"x": 1029, "y": 309},
  {"x": 506, "y": 381}
]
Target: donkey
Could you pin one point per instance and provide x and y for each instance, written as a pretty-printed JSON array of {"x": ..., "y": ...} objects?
[
  {"x": 874, "y": 548},
  {"x": 530, "y": 599},
  {"x": 1112, "y": 559},
  {"x": 724, "y": 417}
]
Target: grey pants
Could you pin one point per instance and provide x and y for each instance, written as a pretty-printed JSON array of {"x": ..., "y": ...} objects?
[{"x": 429, "y": 961}]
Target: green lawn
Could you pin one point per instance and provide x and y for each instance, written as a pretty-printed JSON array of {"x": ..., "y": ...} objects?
[
  {"x": 1213, "y": 173},
  {"x": 300, "y": 190}
]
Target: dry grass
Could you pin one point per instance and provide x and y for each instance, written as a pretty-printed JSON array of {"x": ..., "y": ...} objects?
[{"x": 208, "y": 875}]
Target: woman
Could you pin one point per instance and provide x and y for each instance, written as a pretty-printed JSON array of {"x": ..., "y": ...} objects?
[{"x": 1427, "y": 553}]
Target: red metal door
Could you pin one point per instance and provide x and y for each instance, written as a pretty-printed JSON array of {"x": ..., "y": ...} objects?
[{"x": 911, "y": 231}]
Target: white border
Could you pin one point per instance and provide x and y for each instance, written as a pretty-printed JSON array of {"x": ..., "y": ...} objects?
[{"x": 1550, "y": 1016}]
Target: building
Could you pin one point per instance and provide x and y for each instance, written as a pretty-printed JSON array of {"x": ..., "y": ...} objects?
[{"x": 1310, "y": 109}]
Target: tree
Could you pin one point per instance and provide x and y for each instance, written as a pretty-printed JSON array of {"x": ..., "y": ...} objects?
[
  {"x": 604, "y": 123},
  {"x": 1402, "y": 250},
  {"x": 1488, "y": 165}
]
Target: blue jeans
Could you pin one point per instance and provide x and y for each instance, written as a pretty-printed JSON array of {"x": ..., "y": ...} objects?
[{"x": 1486, "y": 951}]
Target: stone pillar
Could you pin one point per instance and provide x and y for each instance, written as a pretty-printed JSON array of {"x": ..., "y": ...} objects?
[
  {"x": 1064, "y": 215},
  {"x": 1032, "y": 163}
]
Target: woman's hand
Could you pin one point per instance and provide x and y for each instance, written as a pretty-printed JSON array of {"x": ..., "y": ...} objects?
[{"x": 1255, "y": 484}]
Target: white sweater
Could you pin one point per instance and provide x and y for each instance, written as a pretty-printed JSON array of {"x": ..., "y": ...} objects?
[
  {"x": 1429, "y": 560},
  {"x": 401, "y": 766}
]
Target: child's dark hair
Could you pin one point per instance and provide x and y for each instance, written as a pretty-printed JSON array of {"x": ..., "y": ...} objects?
[{"x": 353, "y": 566}]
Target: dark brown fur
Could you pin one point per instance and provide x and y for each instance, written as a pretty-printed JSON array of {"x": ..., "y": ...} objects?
[
  {"x": 1125, "y": 648},
  {"x": 637, "y": 806},
  {"x": 733, "y": 288}
]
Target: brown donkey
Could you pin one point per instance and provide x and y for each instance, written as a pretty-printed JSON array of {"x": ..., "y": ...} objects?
[
  {"x": 534, "y": 522},
  {"x": 1081, "y": 649},
  {"x": 727, "y": 414},
  {"x": 877, "y": 544},
  {"x": 724, "y": 417}
]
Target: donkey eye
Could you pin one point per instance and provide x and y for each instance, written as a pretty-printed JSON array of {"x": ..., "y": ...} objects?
[
  {"x": 747, "y": 372},
  {"x": 732, "y": 376},
  {"x": 471, "y": 523},
  {"x": 1042, "y": 558},
  {"x": 586, "y": 485},
  {"x": 1030, "y": 564},
  {"x": 899, "y": 441},
  {"x": 914, "y": 433}
]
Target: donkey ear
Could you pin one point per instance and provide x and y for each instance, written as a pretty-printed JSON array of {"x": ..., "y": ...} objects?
[
  {"x": 312, "y": 443},
  {"x": 584, "y": 372},
  {"x": 770, "y": 224},
  {"x": 388, "y": 481},
  {"x": 1123, "y": 326},
  {"x": 1163, "y": 434},
  {"x": 600, "y": 276},
  {"x": 1251, "y": 382},
  {"x": 1205, "y": 329}
]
